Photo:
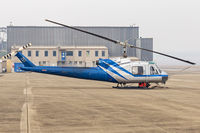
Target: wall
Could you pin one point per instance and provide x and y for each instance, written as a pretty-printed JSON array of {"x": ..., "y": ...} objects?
[
  {"x": 50, "y": 60},
  {"x": 144, "y": 43},
  {"x": 60, "y": 36}
]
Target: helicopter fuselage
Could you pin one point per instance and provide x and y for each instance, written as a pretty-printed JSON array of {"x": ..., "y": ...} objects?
[{"x": 117, "y": 70}]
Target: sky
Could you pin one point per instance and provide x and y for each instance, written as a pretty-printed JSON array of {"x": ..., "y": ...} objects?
[{"x": 173, "y": 24}]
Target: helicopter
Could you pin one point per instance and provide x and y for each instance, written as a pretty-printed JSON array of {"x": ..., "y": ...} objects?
[{"x": 117, "y": 70}]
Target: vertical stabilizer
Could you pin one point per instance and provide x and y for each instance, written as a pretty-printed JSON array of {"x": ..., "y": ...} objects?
[{"x": 24, "y": 60}]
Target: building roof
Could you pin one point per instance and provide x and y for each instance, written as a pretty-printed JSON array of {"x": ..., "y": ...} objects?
[{"x": 63, "y": 47}]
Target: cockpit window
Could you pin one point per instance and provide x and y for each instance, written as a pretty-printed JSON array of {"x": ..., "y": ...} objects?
[
  {"x": 138, "y": 70},
  {"x": 153, "y": 71},
  {"x": 158, "y": 69}
]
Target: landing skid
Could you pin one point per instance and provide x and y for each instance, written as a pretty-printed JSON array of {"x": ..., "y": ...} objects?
[
  {"x": 120, "y": 85},
  {"x": 123, "y": 85}
]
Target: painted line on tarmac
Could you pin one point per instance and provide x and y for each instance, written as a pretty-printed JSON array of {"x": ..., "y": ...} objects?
[
  {"x": 25, "y": 122},
  {"x": 25, "y": 115}
]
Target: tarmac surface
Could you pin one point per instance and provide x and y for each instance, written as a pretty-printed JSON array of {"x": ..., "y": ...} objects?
[{"x": 40, "y": 103}]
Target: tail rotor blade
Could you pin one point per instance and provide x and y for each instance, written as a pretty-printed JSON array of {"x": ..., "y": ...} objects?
[{"x": 15, "y": 52}]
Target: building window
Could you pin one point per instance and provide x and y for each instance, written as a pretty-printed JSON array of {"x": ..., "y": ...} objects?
[
  {"x": 88, "y": 53},
  {"x": 79, "y": 53},
  {"x": 54, "y": 53},
  {"x": 103, "y": 53},
  {"x": 37, "y": 53},
  {"x": 70, "y": 62},
  {"x": 94, "y": 63},
  {"x": 75, "y": 62},
  {"x": 45, "y": 53},
  {"x": 96, "y": 53},
  {"x": 29, "y": 53},
  {"x": 69, "y": 53},
  {"x": 80, "y": 62},
  {"x": 44, "y": 62}
]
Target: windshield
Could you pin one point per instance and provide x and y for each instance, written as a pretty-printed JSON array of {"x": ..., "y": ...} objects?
[{"x": 158, "y": 69}]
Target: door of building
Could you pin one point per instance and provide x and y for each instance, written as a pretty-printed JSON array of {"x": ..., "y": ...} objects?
[{"x": 63, "y": 55}]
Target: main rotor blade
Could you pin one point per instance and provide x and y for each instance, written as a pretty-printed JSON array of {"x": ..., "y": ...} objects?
[
  {"x": 164, "y": 54},
  {"x": 118, "y": 42},
  {"x": 114, "y": 41}
]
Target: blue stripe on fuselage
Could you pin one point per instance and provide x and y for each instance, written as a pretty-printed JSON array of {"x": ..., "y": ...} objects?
[
  {"x": 94, "y": 73},
  {"x": 151, "y": 75},
  {"x": 107, "y": 67},
  {"x": 117, "y": 66}
]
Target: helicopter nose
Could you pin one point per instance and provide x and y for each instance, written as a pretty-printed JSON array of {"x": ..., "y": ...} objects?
[{"x": 164, "y": 78}]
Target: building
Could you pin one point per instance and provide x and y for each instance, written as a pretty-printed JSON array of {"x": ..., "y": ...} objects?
[
  {"x": 3, "y": 38},
  {"x": 63, "y": 39},
  {"x": 64, "y": 56},
  {"x": 144, "y": 43}
]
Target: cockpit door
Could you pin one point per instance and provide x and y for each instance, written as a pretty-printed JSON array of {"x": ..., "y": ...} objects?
[{"x": 153, "y": 74}]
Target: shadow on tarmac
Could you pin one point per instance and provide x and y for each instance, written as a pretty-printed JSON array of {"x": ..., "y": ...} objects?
[{"x": 108, "y": 87}]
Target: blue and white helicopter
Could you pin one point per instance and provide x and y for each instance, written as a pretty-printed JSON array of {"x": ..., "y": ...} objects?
[{"x": 116, "y": 70}]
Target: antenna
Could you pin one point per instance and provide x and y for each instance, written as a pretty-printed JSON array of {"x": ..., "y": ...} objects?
[{"x": 11, "y": 23}]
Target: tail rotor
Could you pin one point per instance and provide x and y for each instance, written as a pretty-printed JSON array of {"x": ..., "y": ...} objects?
[{"x": 15, "y": 52}]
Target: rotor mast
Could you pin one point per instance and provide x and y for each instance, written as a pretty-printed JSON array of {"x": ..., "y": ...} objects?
[
  {"x": 125, "y": 52},
  {"x": 124, "y": 45}
]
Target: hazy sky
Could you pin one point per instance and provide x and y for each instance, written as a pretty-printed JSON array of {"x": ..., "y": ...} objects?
[{"x": 173, "y": 24}]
